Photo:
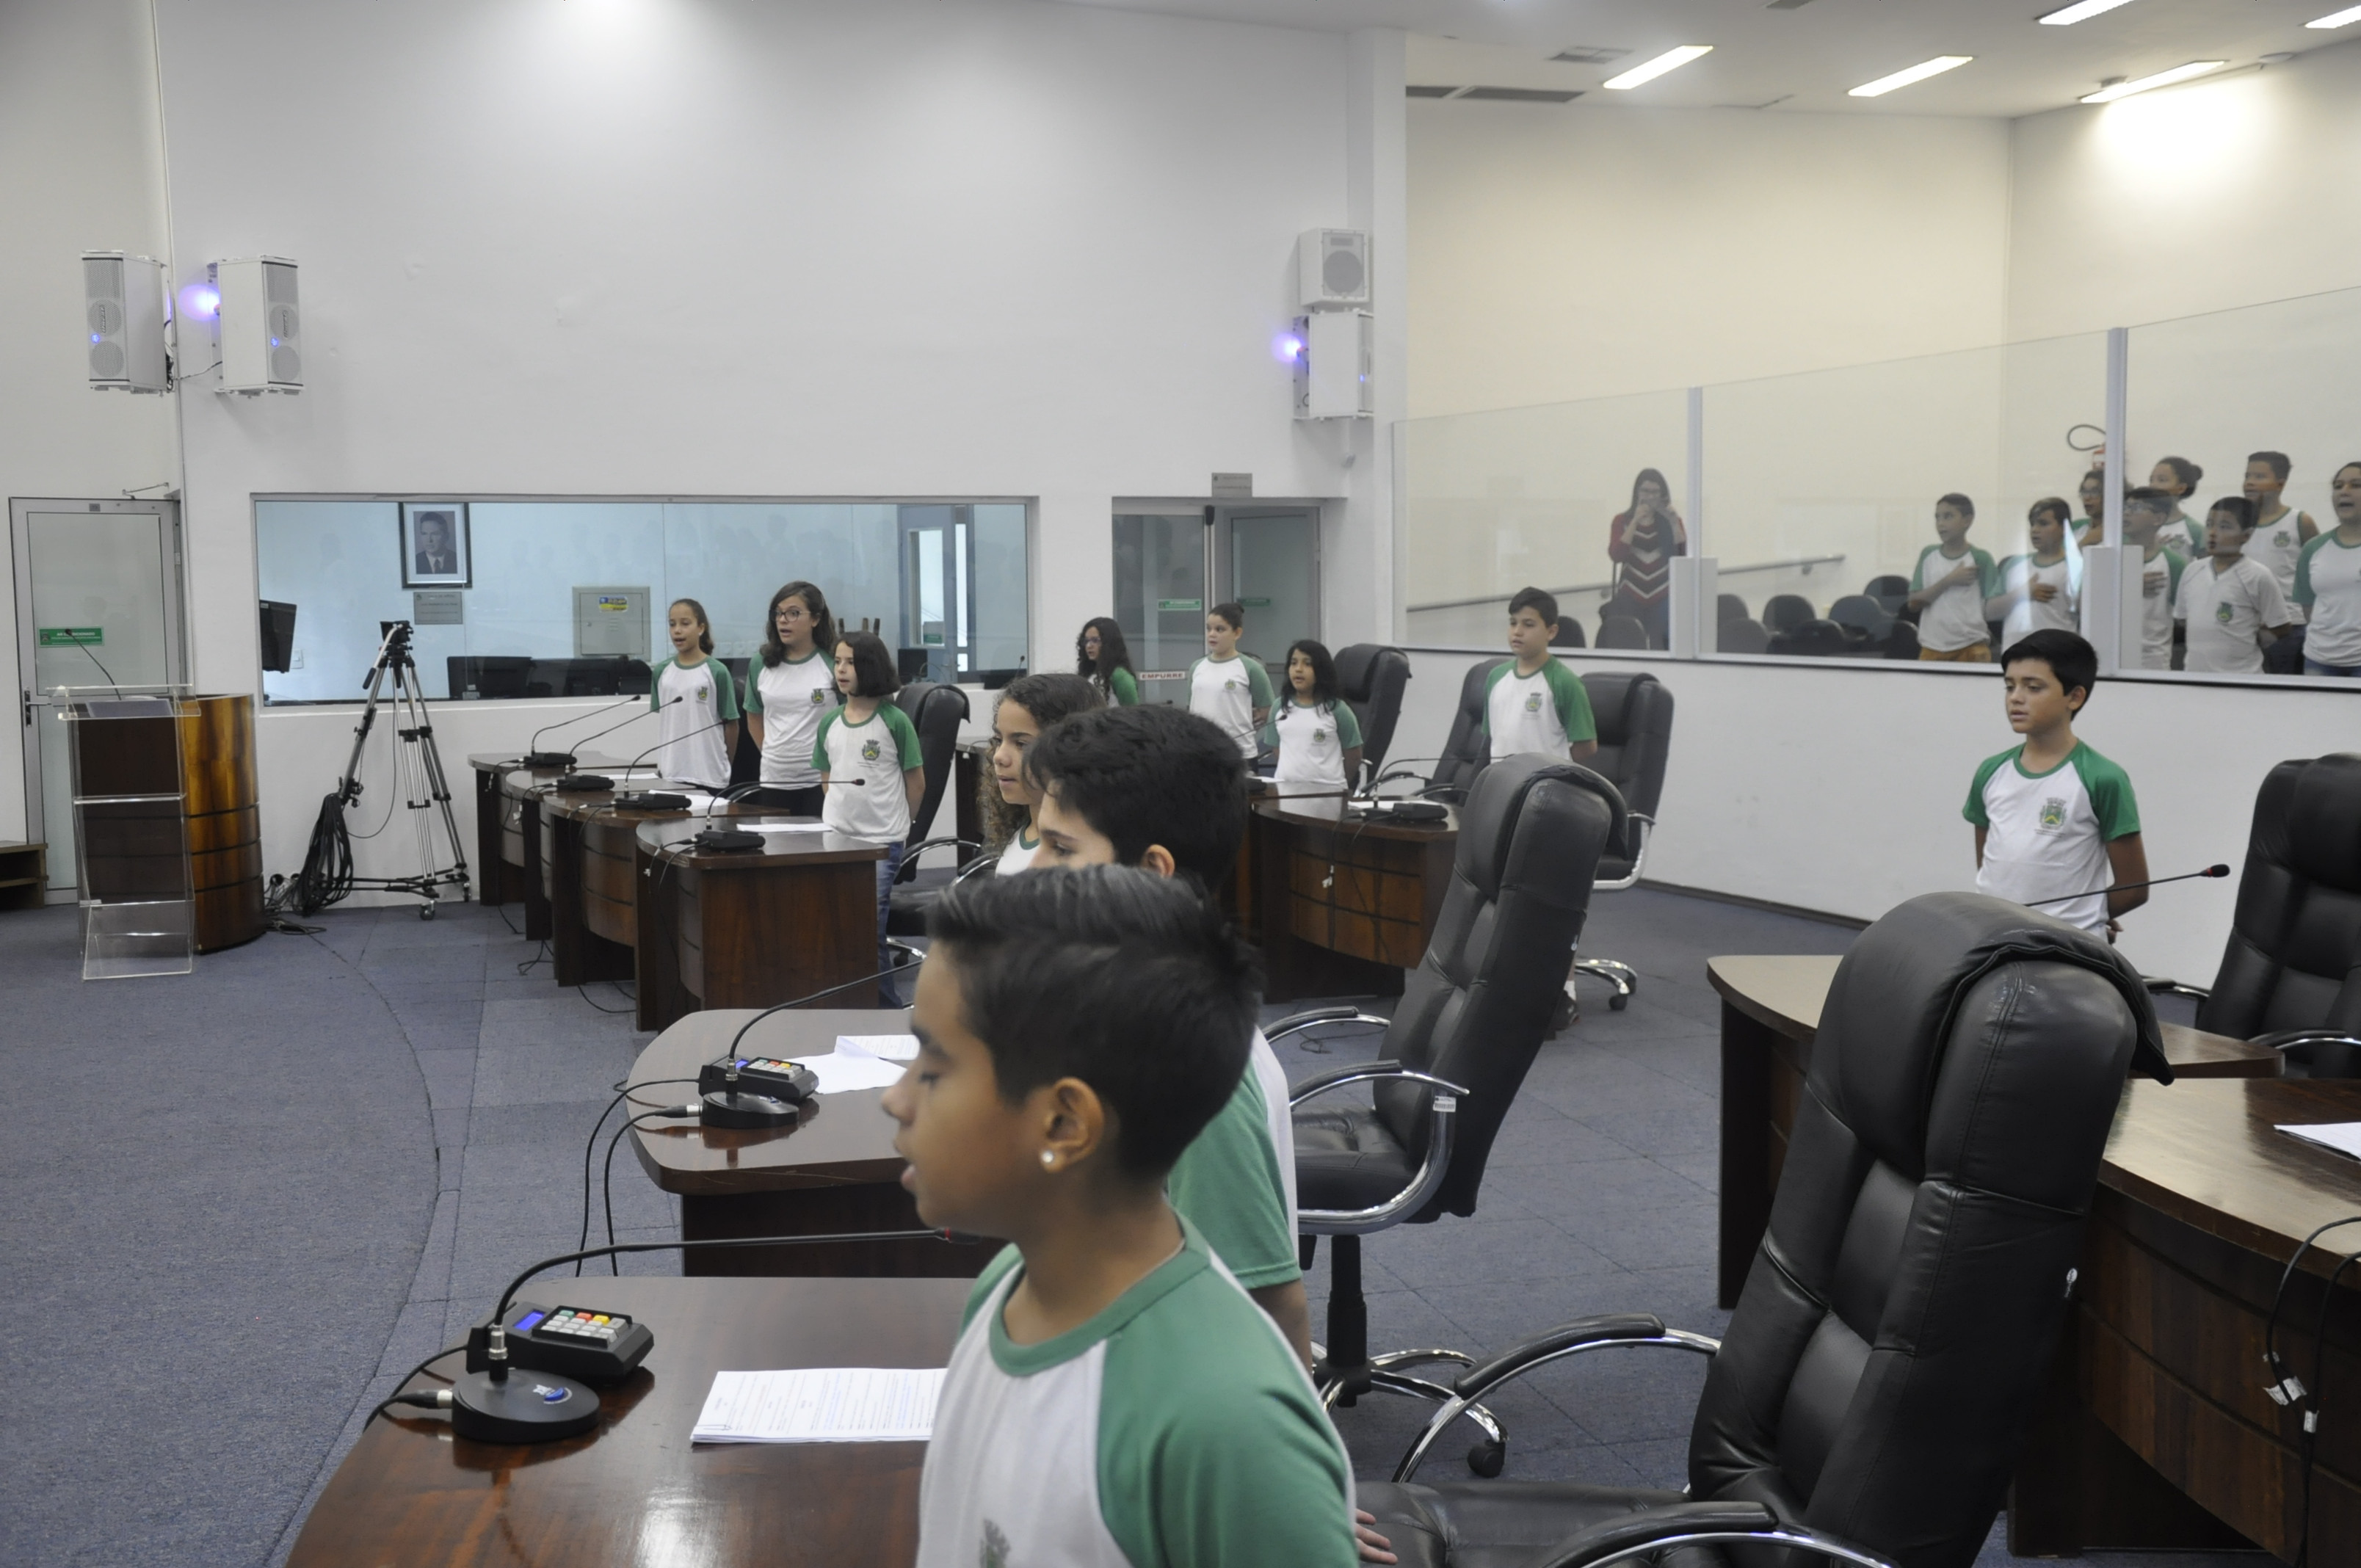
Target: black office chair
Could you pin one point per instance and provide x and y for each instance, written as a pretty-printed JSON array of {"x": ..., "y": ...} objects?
[
  {"x": 1568, "y": 633},
  {"x": 1890, "y": 591},
  {"x": 1813, "y": 638},
  {"x": 1741, "y": 637},
  {"x": 1784, "y": 612},
  {"x": 2290, "y": 976},
  {"x": 1634, "y": 714},
  {"x": 1730, "y": 606},
  {"x": 1464, "y": 751},
  {"x": 1471, "y": 1017},
  {"x": 1870, "y": 1397},
  {"x": 1864, "y": 615},
  {"x": 936, "y": 712},
  {"x": 1621, "y": 632},
  {"x": 1371, "y": 677},
  {"x": 1902, "y": 640}
]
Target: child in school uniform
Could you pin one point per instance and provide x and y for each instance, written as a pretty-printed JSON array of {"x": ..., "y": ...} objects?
[
  {"x": 2052, "y": 817},
  {"x": 2230, "y": 602},
  {"x": 1314, "y": 731},
  {"x": 2037, "y": 588},
  {"x": 1535, "y": 703},
  {"x": 1103, "y": 658},
  {"x": 2328, "y": 583},
  {"x": 696, "y": 703},
  {"x": 1949, "y": 587},
  {"x": 1113, "y": 1397},
  {"x": 870, "y": 764},
  {"x": 788, "y": 693},
  {"x": 1028, "y": 704},
  {"x": 1226, "y": 687}
]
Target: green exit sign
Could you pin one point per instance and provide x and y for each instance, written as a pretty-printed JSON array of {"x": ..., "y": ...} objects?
[
  {"x": 1179, "y": 603},
  {"x": 1254, "y": 604},
  {"x": 73, "y": 637}
]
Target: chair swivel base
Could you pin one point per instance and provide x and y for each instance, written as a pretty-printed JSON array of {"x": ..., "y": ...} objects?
[
  {"x": 1343, "y": 1386},
  {"x": 1621, "y": 976}
]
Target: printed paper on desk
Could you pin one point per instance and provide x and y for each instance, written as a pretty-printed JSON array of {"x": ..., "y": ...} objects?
[
  {"x": 838, "y": 1072},
  {"x": 785, "y": 827},
  {"x": 885, "y": 1047},
  {"x": 2344, "y": 1138},
  {"x": 822, "y": 1404}
]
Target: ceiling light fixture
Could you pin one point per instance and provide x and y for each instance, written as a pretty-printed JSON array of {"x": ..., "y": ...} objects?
[
  {"x": 2082, "y": 11},
  {"x": 1919, "y": 72},
  {"x": 1671, "y": 59},
  {"x": 2344, "y": 18},
  {"x": 2161, "y": 79}
]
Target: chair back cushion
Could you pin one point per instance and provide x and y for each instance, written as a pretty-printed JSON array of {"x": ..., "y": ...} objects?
[
  {"x": 1479, "y": 1005},
  {"x": 1783, "y": 611},
  {"x": 935, "y": 711},
  {"x": 2294, "y": 956},
  {"x": 1634, "y": 713},
  {"x": 1371, "y": 678},
  {"x": 1898, "y": 1324},
  {"x": 1467, "y": 747}
]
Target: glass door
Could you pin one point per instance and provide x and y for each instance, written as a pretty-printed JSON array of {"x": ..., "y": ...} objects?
[
  {"x": 98, "y": 604},
  {"x": 1268, "y": 564},
  {"x": 1160, "y": 597}
]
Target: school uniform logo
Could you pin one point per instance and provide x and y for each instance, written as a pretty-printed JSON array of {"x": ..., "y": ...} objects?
[
  {"x": 818, "y": 696},
  {"x": 870, "y": 750},
  {"x": 704, "y": 694},
  {"x": 2053, "y": 814},
  {"x": 2221, "y": 612},
  {"x": 1533, "y": 702},
  {"x": 994, "y": 1552},
  {"x": 1319, "y": 734}
]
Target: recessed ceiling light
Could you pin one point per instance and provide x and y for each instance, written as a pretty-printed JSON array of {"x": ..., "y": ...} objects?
[
  {"x": 1589, "y": 54},
  {"x": 2081, "y": 10},
  {"x": 1671, "y": 59},
  {"x": 2161, "y": 79},
  {"x": 1919, "y": 72},
  {"x": 2344, "y": 18}
]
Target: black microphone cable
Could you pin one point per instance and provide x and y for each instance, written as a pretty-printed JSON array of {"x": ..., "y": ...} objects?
[
  {"x": 426, "y": 1399},
  {"x": 589, "y": 1147}
]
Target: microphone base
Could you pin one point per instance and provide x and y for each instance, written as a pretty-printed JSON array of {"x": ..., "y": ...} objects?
[
  {"x": 724, "y": 1108},
  {"x": 547, "y": 760},
  {"x": 528, "y": 1407}
]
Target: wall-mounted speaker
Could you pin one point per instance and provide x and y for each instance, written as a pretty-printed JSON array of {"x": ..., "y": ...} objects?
[
  {"x": 261, "y": 326},
  {"x": 1331, "y": 269},
  {"x": 1331, "y": 371},
  {"x": 124, "y": 321}
]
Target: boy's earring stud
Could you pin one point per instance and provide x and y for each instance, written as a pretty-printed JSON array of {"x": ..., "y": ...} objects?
[{"x": 1049, "y": 1156}]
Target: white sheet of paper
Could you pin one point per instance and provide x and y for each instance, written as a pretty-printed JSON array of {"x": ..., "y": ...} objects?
[
  {"x": 786, "y": 826},
  {"x": 2344, "y": 1138},
  {"x": 822, "y": 1404},
  {"x": 838, "y": 1072},
  {"x": 885, "y": 1047}
]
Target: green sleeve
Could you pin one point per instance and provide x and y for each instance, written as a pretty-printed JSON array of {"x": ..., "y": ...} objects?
[
  {"x": 1258, "y": 681},
  {"x": 1974, "y": 811},
  {"x": 1349, "y": 725},
  {"x": 819, "y": 740},
  {"x": 2111, "y": 795},
  {"x": 655, "y": 686},
  {"x": 906, "y": 736},
  {"x": 1573, "y": 703},
  {"x": 1500, "y": 670},
  {"x": 1213, "y": 1448},
  {"x": 725, "y": 689},
  {"x": 2303, "y": 594},
  {"x": 994, "y": 1273},
  {"x": 1125, "y": 687},
  {"x": 1988, "y": 574},
  {"x": 1918, "y": 572},
  {"x": 1227, "y": 1182},
  {"x": 1268, "y": 736},
  {"x": 754, "y": 684}
]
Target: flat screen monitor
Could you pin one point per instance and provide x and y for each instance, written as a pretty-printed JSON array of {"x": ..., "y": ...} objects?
[{"x": 277, "y": 636}]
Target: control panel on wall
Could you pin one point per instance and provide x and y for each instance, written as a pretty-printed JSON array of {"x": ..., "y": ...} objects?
[{"x": 261, "y": 326}]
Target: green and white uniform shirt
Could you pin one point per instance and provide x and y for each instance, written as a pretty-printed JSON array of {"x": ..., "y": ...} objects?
[
  {"x": 1235, "y": 1181},
  {"x": 793, "y": 695},
  {"x": 2278, "y": 547},
  {"x": 2045, "y": 835},
  {"x": 1954, "y": 619},
  {"x": 1017, "y": 854},
  {"x": 864, "y": 763},
  {"x": 2159, "y": 586},
  {"x": 2226, "y": 611},
  {"x": 1174, "y": 1429},
  {"x": 1312, "y": 741},
  {"x": 1546, "y": 712},
  {"x": 2328, "y": 586},
  {"x": 1227, "y": 691},
  {"x": 690, "y": 702},
  {"x": 1122, "y": 689},
  {"x": 2176, "y": 530},
  {"x": 2028, "y": 614}
]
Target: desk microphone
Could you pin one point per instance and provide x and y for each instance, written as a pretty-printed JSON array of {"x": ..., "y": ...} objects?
[
  {"x": 2128, "y": 887},
  {"x": 660, "y": 745},
  {"x": 739, "y": 1094},
  {"x": 573, "y": 783},
  {"x": 536, "y": 758}
]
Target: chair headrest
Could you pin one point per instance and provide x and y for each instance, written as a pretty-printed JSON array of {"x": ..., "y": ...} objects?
[
  {"x": 1890, "y": 1012},
  {"x": 2319, "y": 835},
  {"x": 1487, "y": 821},
  {"x": 1354, "y": 666},
  {"x": 1611, "y": 695}
]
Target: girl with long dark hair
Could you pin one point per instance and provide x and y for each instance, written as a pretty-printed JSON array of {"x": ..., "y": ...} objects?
[{"x": 1102, "y": 655}]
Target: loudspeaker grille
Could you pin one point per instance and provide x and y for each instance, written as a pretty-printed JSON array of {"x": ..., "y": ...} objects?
[
  {"x": 284, "y": 323},
  {"x": 277, "y": 284},
  {"x": 1341, "y": 271},
  {"x": 105, "y": 316},
  {"x": 286, "y": 365},
  {"x": 102, "y": 277},
  {"x": 106, "y": 362}
]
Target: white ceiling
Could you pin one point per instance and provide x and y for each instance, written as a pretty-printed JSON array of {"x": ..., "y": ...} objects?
[{"x": 1808, "y": 56}]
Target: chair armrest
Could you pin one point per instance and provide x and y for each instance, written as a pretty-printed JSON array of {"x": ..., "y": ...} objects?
[
  {"x": 1442, "y": 1133},
  {"x": 1639, "y": 861},
  {"x": 1697, "y": 1524},
  {"x": 2158, "y": 986},
  {"x": 1296, "y": 1022},
  {"x": 1605, "y": 1330},
  {"x": 1362, "y": 1072},
  {"x": 908, "y": 870}
]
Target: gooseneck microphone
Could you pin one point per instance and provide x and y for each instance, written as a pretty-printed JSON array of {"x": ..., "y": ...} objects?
[
  {"x": 536, "y": 758},
  {"x": 660, "y": 745},
  {"x": 728, "y": 1102},
  {"x": 573, "y": 783},
  {"x": 2216, "y": 871}
]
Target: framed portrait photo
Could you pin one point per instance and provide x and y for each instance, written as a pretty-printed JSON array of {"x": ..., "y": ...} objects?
[{"x": 434, "y": 545}]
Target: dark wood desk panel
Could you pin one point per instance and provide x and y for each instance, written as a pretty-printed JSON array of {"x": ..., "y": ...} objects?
[
  {"x": 499, "y": 864},
  {"x": 1341, "y": 905},
  {"x": 588, "y": 858},
  {"x": 636, "y": 1491},
  {"x": 751, "y": 928},
  {"x": 834, "y": 1170}
]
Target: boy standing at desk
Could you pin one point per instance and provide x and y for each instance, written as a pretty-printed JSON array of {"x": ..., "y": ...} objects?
[
  {"x": 2052, "y": 817},
  {"x": 1535, "y": 704},
  {"x": 1114, "y": 1399}
]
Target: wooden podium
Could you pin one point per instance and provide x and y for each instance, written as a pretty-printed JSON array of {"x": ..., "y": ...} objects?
[{"x": 174, "y": 786}]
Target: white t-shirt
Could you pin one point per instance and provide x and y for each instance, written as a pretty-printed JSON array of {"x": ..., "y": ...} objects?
[
  {"x": 864, "y": 763},
  {"x": 1018, "y": 855},
  {"x": 1954, "y": 619},
  {"x": 2028, "y": 614},
  {"x": 2328, "y": 584},
  {"x": 2045, "y": 835},
  {"x": 690, "y": 701},
  {"x": 2278, "y": 546},
  {"x": 1545, "y": 712},
  {"x": 2226, "y": 610},
  {"x": 1227, "y": 691},
  {"x": 2160, "y": 582},
  {"x": 1311, "y": 742},
  {"x": 792, "y": 696}
]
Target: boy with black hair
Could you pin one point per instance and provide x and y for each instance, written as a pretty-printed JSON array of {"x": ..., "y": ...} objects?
[
  {"x": 1535, "y": 703},
  {"x": 2144, "y": 512},
  {"x": 1949, "y": 587},
  {"x": 2230, "y": 601},
  {"x": 1165, "y": 791},
  {"x": 1113, "y": 1397},
  {"x": 1231, "y": 690},
  {"x": 2052, "y": 817},
  {"x": 2281, "y": 531}
]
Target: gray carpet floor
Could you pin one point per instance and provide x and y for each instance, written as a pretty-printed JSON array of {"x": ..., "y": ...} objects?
[{"x": 243, "y": 1203}]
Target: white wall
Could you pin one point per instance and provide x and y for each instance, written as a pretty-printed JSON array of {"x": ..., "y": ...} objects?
[
  {"x": 1561, "y": 252},
  {"x": 81, "y": 164},
  {"x": 1836, "y": 787}
]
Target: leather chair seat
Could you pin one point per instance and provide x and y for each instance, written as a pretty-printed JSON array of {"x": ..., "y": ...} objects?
[
  {"x": 1506, "y": 1524},
  {"x": 1346, "y": 1158},
  {"x": 906, "y": 910}
]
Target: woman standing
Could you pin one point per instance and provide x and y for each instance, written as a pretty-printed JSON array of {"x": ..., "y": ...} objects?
[
  {"x": 2328, "y": 583},
  {"x": 1641, "y": 543},
  {"x": 1101, "y": 654}
]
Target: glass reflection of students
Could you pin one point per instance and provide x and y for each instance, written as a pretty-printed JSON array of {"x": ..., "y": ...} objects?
[
  {"x": 788, "y": 692},
  {"x": 1028, "y": 704},
  {"x": 1949, "y": 587},
  {"x": 2328, "y": 583},
  {"x": 2178, "y": 478},
  {"x": 2231, "y": 603},
  {"x": 2091, "y": 528},
  {"x": 2160, "y": 569},
  {"x": 1641, "y": 541},
  {"x": 2281, "y": 531},
  {"x": 1105, "y": 658},
  {"x": 1312, "y": 729},
  {"x": 2036, "y": 589}
]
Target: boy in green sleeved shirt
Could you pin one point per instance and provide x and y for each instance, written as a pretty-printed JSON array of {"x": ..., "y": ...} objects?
[
  {"x": 1114, "y": 1399},
  {"x": 1228, "y": 688},
  {"x": 1949, "y": 587},
  {"x": 1536, "y": 704}
]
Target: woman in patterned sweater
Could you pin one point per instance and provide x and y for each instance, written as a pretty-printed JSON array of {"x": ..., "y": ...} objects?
[{"x": 1642, "y": 542}]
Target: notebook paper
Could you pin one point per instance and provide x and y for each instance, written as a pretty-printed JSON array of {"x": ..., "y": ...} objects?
[
  {"x": 822, "y": 1404},
  {"x": 2344, "y": 1138}
]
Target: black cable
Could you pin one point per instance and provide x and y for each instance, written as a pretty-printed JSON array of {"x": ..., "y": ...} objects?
[
  {"x": 417, "y": 1371},
  {"x": 499, "y": 1309},
  {"x": 585, "y": 990},
  {"x": 506, "y": 921},
  {"x": 540, "y": 957},
  {"x": 622, "y": 1088},
  {"x": 2318, "y": 1405},
  {"x": 607, "y": 1181}
]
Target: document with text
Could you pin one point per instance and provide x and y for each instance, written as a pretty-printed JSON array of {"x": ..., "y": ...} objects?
[{"x": 822, "y": 1404}]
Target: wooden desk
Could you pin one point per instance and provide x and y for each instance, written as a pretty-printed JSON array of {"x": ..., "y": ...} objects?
[
  {"x": 835, "y": 1170},
  {"x": 751, "y": 928},
  {"x": 635, "y": 1491},
  {"x": 133, "y": 848},
  {"x": 24, "y": 874},
  {"x": 503, "y": 841},
  {"x": 1769, "y": 1013},
  {"x": 1341, "y": 905},
  {"x": 589, "y": 863}
]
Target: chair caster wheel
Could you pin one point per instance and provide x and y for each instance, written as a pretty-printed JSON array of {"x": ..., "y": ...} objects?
[
  {"x": 426, "y": 912},
  {"x": 1616, "y": 1003},
  {"x": 1486, "y": 1459}
]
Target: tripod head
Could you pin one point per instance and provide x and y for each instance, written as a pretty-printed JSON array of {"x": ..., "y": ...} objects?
[{"x": 391, "y": 653}]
